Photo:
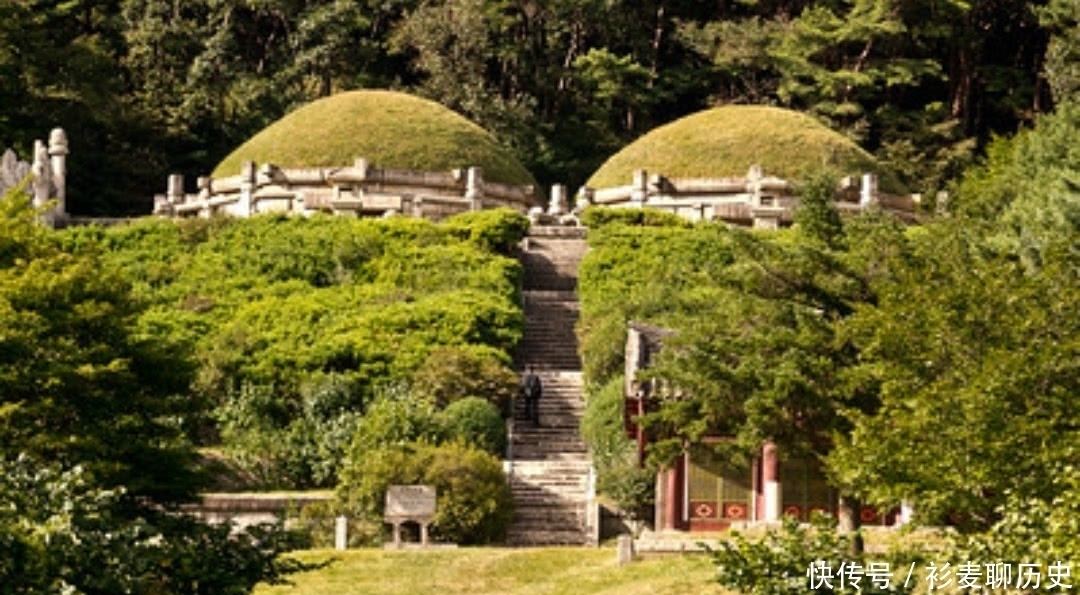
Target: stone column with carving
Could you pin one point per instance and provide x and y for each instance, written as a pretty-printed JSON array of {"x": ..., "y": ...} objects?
[
  {"x": 12, "y": 171},
  {"x": 42, "y": 172},
  {"x": 58, "y": 152}
]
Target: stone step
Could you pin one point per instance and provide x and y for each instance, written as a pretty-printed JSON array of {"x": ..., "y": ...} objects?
[
  {"x": 523, "y": 480},
  {"x": 554, "y": 420},
  {"x": 541, "y": 297},
  {"x": 560, "y": 492},
  {"x": 543, "y": 484},
  {"x": 569, "y": 444},
  {"x": 550, "y": 427},
  {"x": 547, "y": 518},
  {"x": 547, "y": 441},
  {"x": 549, "y": 470},
  {"x": 523, "y": 449},
  {"x": 557, "y": 488},
  {"x": 562, "y": 506},
  {"x": 531, "y": 455},
  {"x": 525, "y": 430},
  {"x": 558, "y": 231}
]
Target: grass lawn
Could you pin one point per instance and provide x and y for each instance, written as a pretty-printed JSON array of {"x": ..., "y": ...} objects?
[{"x": 501, "y": 571}]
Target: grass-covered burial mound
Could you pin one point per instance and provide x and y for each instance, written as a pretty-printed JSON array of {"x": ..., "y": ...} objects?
[
  {"x": 726, "y": 141},
  {"x": 388, "y": 128}
]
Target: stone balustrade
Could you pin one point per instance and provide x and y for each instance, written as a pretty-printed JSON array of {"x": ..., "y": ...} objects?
[
  {"x": 47, "y": 175},
  {"x": 756, "y": 199},
  {"x": 359, "y": 189}
]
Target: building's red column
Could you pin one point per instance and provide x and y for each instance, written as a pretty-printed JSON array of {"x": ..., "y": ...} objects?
[
  {"x": 770, "y": 479},
  {"x": 674, "y": 495}
]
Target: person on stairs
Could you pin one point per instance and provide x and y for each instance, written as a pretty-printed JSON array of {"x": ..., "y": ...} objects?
[{"x": 532, "y": 388}]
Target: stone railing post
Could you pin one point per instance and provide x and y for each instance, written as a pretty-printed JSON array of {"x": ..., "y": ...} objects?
[
  {"x": 341, "y": 533},
  {"x": 204, "y": 183},
  {"x": 584, "y": 199},
  {"x": 58, "y": 152},
  {"x": 162, "y": 206},
  {"x": 42, "y": 170},
  {"x": 557, "y": 206},
  {"x": 639, "y": 188},
  {"x": 868, "y": 192},
  {"x": 174, "y": 191},
  {"x": 248, "y": 182},
  {"x": 474, "y": 188},
  {"x": 753, "y": 185}
]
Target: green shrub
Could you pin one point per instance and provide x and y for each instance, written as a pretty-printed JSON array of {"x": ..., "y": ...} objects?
[
  {"x": 396, "y": 418},
  {"x": 779, "y": 562},
  {"x": 279, "y": 303},
  {"x": 476, "y": 422},
  {"x": 662, "y": 275},
  {"x": 474, "y": 503},
  {"x": 61, "y": 533},
  {"x": 602, "y": 424},
  {"x": 597, "y": 217},
  {"x": 619, "y": 476},
  {"x": 493, "y": 230},
  {"x": 432, "y": 269},
  {"x": 1029, "y": 529},
  {"x": 453, "y": 372}
]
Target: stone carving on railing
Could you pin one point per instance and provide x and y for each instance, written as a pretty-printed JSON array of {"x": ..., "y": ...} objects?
[
  {"x": 47, "y": 175},
  {"x": 756, "y": 199},
  {"x": 357, "y": 190},
  {"x": 12, "y": 171}
]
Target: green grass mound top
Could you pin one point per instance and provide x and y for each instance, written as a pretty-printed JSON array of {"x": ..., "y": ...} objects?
[
  {"x": 388, "y": 128},
  {"x": 726, "y": 141}
]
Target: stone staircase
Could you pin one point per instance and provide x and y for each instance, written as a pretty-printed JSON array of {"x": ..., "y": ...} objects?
[{"x": 549, "y": 467}]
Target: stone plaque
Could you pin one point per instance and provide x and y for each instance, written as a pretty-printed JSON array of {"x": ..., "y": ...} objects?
[{"x": 410, "y": 503}]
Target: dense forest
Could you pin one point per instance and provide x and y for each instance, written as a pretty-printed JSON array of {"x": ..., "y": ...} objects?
[{"x": 149, "y": 87}]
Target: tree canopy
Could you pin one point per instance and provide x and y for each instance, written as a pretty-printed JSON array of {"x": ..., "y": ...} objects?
[{"x": 150, "y": 87}]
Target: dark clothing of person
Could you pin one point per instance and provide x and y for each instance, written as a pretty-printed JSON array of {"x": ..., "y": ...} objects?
[{"x": 533, "y": 388}]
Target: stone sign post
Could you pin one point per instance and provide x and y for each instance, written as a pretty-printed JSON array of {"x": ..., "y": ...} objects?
[{"x": 414, "y": 503}]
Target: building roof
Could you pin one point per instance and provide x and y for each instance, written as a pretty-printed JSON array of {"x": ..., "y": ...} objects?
[
  {"x": 388, "y": 128},
  {"x": 725, "y": 141}
]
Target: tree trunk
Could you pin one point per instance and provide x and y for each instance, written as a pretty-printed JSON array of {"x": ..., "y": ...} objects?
[{"x": 849, "y": 522}]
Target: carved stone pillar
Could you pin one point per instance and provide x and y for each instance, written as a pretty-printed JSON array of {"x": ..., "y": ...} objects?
[
  {"x": 639, "y": 188},
  {"x": 174, "y": 191},
  {"x": 42, "y": 171},
  {"x": 474, "y": 188},
  {"x": 557, "y": 206},
  {"x": 868, "y": 191},
  {"x": 58, "y": 152},
  {"x": 248, "y": 183},
  {"x": 584, "y": 199}
]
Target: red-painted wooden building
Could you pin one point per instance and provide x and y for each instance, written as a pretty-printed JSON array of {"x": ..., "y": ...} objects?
[{"x": 700, "y": 493}]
